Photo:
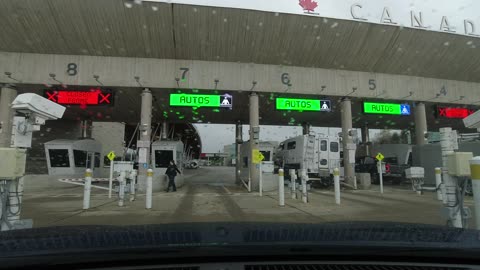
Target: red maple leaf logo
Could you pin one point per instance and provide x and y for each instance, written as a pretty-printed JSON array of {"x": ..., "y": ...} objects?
[{"x": 308, "y": 5}]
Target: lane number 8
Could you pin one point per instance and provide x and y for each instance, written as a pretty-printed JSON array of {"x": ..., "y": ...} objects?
[{"x": 72, "y": 69}]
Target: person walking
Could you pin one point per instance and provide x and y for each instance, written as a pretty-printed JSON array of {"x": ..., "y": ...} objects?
[{"x": 171, "y": 173}]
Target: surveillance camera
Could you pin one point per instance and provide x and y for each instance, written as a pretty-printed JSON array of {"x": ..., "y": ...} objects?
[
  {"x": 37, "y": 107},
  {"x": 472, "y": 121}
]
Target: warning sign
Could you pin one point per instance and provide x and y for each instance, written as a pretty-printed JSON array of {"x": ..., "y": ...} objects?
[
  {"x": 257, "y": 156},
  {"x": 379, "y": 157},
  {"x": 111, "y": 155}
]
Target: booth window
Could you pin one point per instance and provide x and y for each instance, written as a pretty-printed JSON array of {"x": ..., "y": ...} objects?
[
  {"x": 162, "y": 158},
  {"x": 80, "y": 158},
  {"x": 97, "y": 160},
  {"x": 245, "y": 162},
  {"x": 291, "y": 145},
  {"x": 323, "y": 145},
  {"x": 334, "y": 147},
  {"x": 266, "y": 154},
  {"x": 59, "y": 158}
]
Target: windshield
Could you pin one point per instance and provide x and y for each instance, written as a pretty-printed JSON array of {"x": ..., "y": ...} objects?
[{"x": 139, "y": 112}]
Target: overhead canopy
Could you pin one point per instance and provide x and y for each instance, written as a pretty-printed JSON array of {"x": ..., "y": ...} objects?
[{"x": 174, "y": 31}]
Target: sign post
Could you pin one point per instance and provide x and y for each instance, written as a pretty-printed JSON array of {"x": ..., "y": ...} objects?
[
  {"x": 111, "y": 156},
  {"x": 257, "y": 158},
  {"x": 380, "y": 157}
]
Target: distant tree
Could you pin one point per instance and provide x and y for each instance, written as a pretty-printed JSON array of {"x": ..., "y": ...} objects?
[{"x": 387, "y": 136}]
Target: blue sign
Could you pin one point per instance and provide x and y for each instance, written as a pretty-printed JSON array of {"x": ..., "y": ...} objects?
[
  {"x": 145, "y": 165},
  {"x": 405, "y": 109}
]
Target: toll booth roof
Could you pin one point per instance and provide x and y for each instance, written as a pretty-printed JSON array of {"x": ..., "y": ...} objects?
[
  {"x": 166, "y": 143},
  {"x": 76, "y": 143}
]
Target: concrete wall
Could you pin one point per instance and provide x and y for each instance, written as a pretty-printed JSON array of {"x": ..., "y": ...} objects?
[
  {"x": 120, "y": 71},
  {"x": 58, "y": 129},
  {"x": 112, "y": 136}
]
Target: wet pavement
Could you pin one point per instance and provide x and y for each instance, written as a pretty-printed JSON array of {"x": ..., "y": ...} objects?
[{"x": 211, "y": 195}]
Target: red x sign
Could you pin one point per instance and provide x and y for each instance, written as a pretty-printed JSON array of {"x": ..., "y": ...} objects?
[
  {"x": 52, "y": 96},
  {"x": 104, "y": 98}
]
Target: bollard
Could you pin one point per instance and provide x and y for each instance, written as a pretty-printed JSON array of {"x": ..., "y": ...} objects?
[
  {"x": 110, "y": 180},
  {"x": 133, "y": 180},
  {"x": 380, "y": 175},
  {"x": 336, "y": 182},
  {"x": 281, "y": 188},
  {"x": 438, "y": 183},
  {"x": 293, "y": 183},
  {"x": 304, "y": 178},
  {"x": 475, "y": 175},
  {"x": 148, "y": 203},
  {"x": 87, "y": 189},
  {"x": 121, "y": 189}
]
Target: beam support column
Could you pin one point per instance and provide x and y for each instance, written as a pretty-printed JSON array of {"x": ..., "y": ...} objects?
[
  {"x": 347, "y": 141},
  {"x": 420, "y": 124},
  {"x": 254, "y": 140},
  {"x": 145, "y": 134},
  {"x": 7, "y": 96}
]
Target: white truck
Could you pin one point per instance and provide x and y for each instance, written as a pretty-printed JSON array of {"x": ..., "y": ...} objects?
[{"x": 317, "y": 154}]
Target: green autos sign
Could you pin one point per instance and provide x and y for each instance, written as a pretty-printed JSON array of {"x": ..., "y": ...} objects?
[
  {"x": 194, "y": 100},
  {"x": 386, "y": 108},
  {"x": 293, "y": 104}
]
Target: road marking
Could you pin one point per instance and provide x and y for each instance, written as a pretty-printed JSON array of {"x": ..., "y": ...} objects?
[{"x": 227, "y": 190}]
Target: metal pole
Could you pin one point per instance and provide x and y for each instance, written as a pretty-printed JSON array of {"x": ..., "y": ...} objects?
[
  {"x": 293, "y": 183},
  {"x": 87, "y": 188},
  {"x": 238, "y": 156},
  {"x": 475, "y": 175},
  {"x": 304, "y": 177},
  {"x": 380, "y": 175},
  {"x": 438, "y": 183},
  {"x": 164, "y": 131},
  {"x": 447, "y": 143},
  {"x": 110, "y": 179},
  {"x": 260, "y": 180},
  {"x": 281, "y": 188},
  {"x": 148, "y": 203},
  {"x": 133, "y": 178},
  {"x": 121, "y": 189},
  {"x": 336, "y": 181}
]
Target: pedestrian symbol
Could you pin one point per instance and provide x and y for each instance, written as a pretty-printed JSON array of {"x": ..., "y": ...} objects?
[
  {"x": 326, "y": 106},
  {"x": 226, "y": 101},
  {"x": 405, "y": 109},
  {"x": 111, "y": 156}
]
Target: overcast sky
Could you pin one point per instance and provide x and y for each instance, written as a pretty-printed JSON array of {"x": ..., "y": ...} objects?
[{"x": 215, "y": 136}]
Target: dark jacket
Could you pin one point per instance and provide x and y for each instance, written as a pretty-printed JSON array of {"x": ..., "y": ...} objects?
[{"x": 172, "y": 170}]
